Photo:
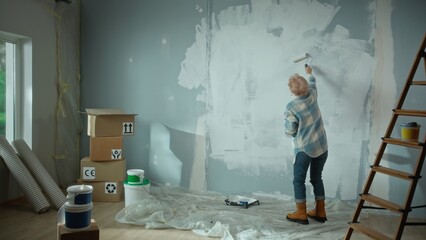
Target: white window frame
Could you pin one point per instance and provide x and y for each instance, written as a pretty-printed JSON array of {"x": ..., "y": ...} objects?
[
  {"x": 18, "y": 87},
  {"x": 10, "y": 90}
]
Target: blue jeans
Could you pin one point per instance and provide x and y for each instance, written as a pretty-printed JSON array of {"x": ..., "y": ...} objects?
[{"x": 300, "y": 168}]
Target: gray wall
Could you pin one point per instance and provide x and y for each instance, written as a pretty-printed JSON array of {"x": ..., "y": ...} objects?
[
  {"x": 32, "y": 20},
  {"x": 214, "y": 73}
]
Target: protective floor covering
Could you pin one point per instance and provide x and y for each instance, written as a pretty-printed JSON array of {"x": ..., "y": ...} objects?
[{"x": 206, "y": 213}]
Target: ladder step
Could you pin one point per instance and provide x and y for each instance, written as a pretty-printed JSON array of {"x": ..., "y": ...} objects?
[
  {"x": 368, "y": 231},
  {"x": 382, "y": 203},
  {"x": 393, "y": 172},
  {"x": 397, "y": 141},
  {"x": 406, "y": 112},
  {"x": 423, "y": 83}
]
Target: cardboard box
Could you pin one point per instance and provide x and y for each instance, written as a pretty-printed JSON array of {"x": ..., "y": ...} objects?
[
  {"x": 91, "y": 171},
  {"x": 91, "y": 233},
  {"x": 109, "y": 123},
  {"x": 108, "y": 191},
  {"x": 106, "y": 148}
]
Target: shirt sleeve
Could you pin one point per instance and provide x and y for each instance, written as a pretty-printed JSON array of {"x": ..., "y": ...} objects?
[
  {"x": 291, "y": 124},
  {"x": 312, "y": 85},
  {"x": 312, "y": 81}
]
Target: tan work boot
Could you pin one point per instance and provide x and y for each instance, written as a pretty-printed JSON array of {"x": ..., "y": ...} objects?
[
  {"x": 300, "y": 216},
  {"x": 319, "y": 212}
]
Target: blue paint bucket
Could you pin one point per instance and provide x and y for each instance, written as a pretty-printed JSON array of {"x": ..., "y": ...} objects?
[
  {"x": 78, "y": 216},
  {"x": 79, "y": 194}
]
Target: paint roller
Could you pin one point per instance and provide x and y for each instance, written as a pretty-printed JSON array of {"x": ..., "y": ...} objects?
[{"x": 301, "y": 58}]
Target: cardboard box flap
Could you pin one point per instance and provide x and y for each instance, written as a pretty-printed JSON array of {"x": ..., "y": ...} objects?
[
  {"x": 109, "y": 122},
  {"x": 106, "y": 112}
]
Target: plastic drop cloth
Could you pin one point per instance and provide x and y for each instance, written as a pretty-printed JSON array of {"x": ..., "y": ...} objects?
[
  {"x": 68, "y": 120},
  {"x": 206, "y": 214}
]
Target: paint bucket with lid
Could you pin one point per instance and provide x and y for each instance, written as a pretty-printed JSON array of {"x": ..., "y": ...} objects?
[
  {"x": 77, "y": 217},
  {"x": 135, "y": 176},
  {"x": 136, "y": 187},
  {"x": 76, "y": 213},
  {"x": 79, "y": 194},
  {"x": 410, "y": 131}
]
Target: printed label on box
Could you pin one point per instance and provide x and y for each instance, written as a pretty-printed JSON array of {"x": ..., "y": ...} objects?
[
  {"x": 116, "y": 153},
  {"x": 89, "y": 173},
  {"x": 110, "y": 188},
  {"x": 127, "y": 128}
]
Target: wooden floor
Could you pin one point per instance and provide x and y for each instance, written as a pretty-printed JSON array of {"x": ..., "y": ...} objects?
[{"x": 18, "y": 221}]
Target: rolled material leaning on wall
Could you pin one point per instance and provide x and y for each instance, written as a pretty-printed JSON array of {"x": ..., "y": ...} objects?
[
  {"x": 56, "y": 196},
  {"x": 24, "y": 178}
]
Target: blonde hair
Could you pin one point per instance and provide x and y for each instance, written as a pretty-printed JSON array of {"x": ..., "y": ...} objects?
[{"x": 298, "y": 85}]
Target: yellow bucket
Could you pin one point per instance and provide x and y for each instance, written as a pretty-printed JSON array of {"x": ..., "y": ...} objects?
[{"x": 410, "y": 131}]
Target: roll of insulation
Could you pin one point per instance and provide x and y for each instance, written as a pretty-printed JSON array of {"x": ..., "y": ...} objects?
[
  {"x": 23, "y": 176},
  {"x": 56, "y": 196}
]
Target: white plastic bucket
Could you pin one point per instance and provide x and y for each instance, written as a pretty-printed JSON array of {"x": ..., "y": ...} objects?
[
  {"x": 135, "y": 176},
  {"x": 134, "y": 192},
  {"x": 77, "y": 217},
  {"x": 79, "y": 194}
]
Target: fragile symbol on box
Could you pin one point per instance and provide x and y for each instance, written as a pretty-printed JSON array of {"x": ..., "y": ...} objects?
[
  {"x": 110, "y": 188},
  {"x": 116, "y": 153},
  {"x": 89, "y": 173},
  {"x": 127, "y": 128}
]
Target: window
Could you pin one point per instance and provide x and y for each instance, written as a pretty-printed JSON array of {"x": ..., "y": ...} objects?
[
  {"x": 15, "y": 80},
  {"x": 7, "y": 88}
]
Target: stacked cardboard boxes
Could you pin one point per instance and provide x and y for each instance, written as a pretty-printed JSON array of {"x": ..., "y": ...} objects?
[{"x": 105, "y": 168}]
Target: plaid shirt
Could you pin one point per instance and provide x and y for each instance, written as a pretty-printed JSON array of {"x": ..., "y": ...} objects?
[{"x": 303, "y": 123}]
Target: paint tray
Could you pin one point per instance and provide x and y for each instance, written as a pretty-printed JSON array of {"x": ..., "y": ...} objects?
[{"x": 241, "y": 201}]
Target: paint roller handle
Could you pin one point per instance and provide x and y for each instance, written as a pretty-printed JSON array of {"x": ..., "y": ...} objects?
[{"x": 308, "y": 69}]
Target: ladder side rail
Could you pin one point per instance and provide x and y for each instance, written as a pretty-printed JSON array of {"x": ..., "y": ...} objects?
[
  {"x": 407, "y": 208},
  {"x": 424, "y": 61},
  {"x": 368, "y": 183},
  {"x": 421, "y": 159},
  {"x": 349, "y": 233}
]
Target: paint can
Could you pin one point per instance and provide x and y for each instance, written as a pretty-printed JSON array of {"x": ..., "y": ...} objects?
[
  {"x": 77, "y": 217},
  {"x": 134, "y": 192},
  {"x": 135, "y": 176},
  {"x": 79, "y": 194},
  {"x": 410, "y": 131}
]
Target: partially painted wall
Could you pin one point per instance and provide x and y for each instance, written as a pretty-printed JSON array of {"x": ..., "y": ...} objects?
[
  {"x": 211, "y": 77},
  {"x": 249, "y": 53}
]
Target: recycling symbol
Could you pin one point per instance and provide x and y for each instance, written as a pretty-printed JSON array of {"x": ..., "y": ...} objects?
[{"x": 110, "y": 188}]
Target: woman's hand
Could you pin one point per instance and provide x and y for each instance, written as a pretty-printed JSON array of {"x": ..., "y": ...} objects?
[{"x": 308, "y": 69}]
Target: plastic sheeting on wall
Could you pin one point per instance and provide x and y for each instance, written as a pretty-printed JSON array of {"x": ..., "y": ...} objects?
[
  {"x": 68, "y": 119},
  {"x": 163, "y": 163}
]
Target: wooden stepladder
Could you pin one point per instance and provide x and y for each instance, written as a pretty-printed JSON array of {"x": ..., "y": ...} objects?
[{"x": 411, "y": 177}]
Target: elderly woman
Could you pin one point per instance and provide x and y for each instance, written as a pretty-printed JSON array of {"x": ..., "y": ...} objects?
[{"x": 303, "y": 123}]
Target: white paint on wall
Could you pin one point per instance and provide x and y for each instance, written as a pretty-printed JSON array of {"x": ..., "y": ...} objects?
[
  {"x": 242, "y": 66},
  {"x": 384, "y": 95}
]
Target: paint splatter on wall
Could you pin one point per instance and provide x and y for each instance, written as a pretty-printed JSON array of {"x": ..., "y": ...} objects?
[{"x": 241, "y": 60}]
